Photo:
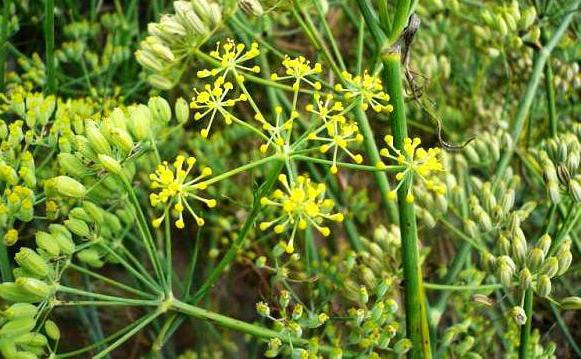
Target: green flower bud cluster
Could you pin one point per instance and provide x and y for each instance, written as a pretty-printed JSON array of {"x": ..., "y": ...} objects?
[
  {"x": 538, "y": 348},
  {"x": 31, "y": 75},
  {"x": 18, "y": 336},
  {"x": 292, "y": 321},
  {"x": 567, "y": 77},
  {"x": 560, "y": 158},
  {"x": 162, "y": 52},
  {"x": 485, "y": 151}
]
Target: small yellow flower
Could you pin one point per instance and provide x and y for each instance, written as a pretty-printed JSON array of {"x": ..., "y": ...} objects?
[
  {"x": 231, "y": 56},
  {"x": 279, "y": 133},
  {"x": 175, "y": 190},
  {"x": 417, "y": 162},
  {"x": 212, "y": 100},
  {"x": 366, "y": 87},
  {"x": 340, "y": 134},
  {"x": 298, "y": 69},
  {"x": 302, "y": 202},
  {"x": 328, "y": 110}
]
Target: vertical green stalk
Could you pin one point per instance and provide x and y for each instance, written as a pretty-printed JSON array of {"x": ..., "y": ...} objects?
[
  {"x": 417, "y": 329},
  {"x": 49, "y": 49},
  {"x": 5, "y": 270},
  {"x": 4, "y": 41},
  {"x": 525, "y": 330},
  {"x": 550, "y": 92}
]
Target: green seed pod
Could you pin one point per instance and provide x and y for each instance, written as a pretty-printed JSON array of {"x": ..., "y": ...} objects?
[
  {"x": 83, "y": 147},
  {"x": 470, "y": 228},
  {"x": 110, "y": 164},
  {"x": 504, "y": 245},
  {"x": 19, "y": 310},
  {"x": 140, "y": 122},
  {"x": 160, "y": 109},
  {"x": 17, "y": 327},
  {"x": 94, "y": 212},
  {"x": 47, "y": 243},
  {"x": 544, "y": 286},
  {"x": 505, "y": 273},
  {"x": 31, "y": 339},
  {"x": 526, "y": 278},
  {"x": 91, "y": 257},
  {"x": 528, "y": 17},
  {"x": 284, "y": 298},
  {"x": 72, "y": 165},
  {"x": 34, "y": 286},
  {"x": 571, "y": 303},
  {"x": 297, "y": 312},
  {"x": 550, "y": 267},
  {"x": 367, "y": 276},
  {"x": 68, "y": 187},
  {"x": 79, "y": 213},
  {"x": 97, "y": 141},
  {"x": 52, "y": 330},
  {"x": 564, "y": 258},
  {"x": 544, "y": 244},
  {"x": 63, "y": 238},
  {"x": 575, "y": 189},
  {"x": 78, "y": 227},
  {"x": 488, "y": 261},
  {"x": 535, "y": 259},
  {"x": 363, "y": 296},
  {"x": 383, "y": 287},
  {"x": 182, "y": 110},
  {"x": 31, "y": 261},
  {"x": 122, "y": 139},
  {"x": 519, "y": 247},
  {"x": 554, "y": 191},
  {"x": 159, "y": 81},
  {"x": 8, "y": 349},
  {"x": 118, "y": 119},
  {"x": 507, "y": 201},
  {"x": 14, "y": 293}
]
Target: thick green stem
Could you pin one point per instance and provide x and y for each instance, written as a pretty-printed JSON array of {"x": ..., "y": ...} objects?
[
  {"x": 525, "y": 330},
  {"x": 527, "y": 100},
  {"x": 49, "y": 49},
  {"x": 417, "y": 329}
]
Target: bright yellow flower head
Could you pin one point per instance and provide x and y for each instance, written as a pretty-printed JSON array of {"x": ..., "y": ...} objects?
[
  {"x": 212, "y": 100},
  {"x": 279, "y": 133},
  {"x": 302, "y": 202},
  {"x": 231, "y": 56},
  {"x": 174, "y": 189},
  {"x": 368, "y": 88},
  {"x": 327, "y": 109},
  {"x": 340, "y": 134},
  {"x": 298, "y": 69},
  {"x": 417, "y": 162}
]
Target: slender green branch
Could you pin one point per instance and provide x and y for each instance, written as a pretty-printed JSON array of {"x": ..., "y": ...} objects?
[
  {"x": 5, "y": 267},
  {"x": 525, "y": 330},
  {"x": 348, "y": 165},
  {"x": 447, "y": 287},
  {"x": 49, "y": 49},
  {"x": 129, "y": 301},
  {"x": 4, "y": 41}
]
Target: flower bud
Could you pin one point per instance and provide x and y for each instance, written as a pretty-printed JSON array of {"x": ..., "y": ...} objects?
[
  {"x": 91, "y": 257},
  {"x": 140, "y": 122},
  {"x": 507, "y": 201},
  {"x": 518, "y": 314},
  {"x": 554, "y": 191},
  {"x": 488, "y": 261},
  {"x": 97, "y": 141},
  {"x": 526, "y": 278},
  {"x": 544, "y": 286},
  {"x": 160, "y": 110},
  {"x": 94, "y": 212},
  {"x": 122, "y": 139},
  {"x": 72, "y": 165},
  {"x": 571, "y": 303},
  {"x": 544, "y": 243},
  {"x": 550, "y": 267},
  {"x": 575, "y": 189},
  {"x": 19, "y": 310},
  {"x": 32, "y": 340},
  {"x": 160, "y": 82},
  {"x": 47, "y": 243},
  {"x": 252, "y": 7},
  {"x": 504, "y": 245},
  {"x": 17, "y": 327},
  {"x": 528, "y": 17},
  {"x": 34, "y": 286},
  {"x": 10, "y": 237},
  {"x": 78, "y": 227},
  {"x": 52, "y": 330},
  {"x": 31, "y": 261},
  {"x": 284, "y": 298},
  {"x": 402, "y": 346},
  {"x": 63, "y": 238},
  {"x": 519, "y": 246},
  {"x": 535, "y": 259},
  {"x": 564, "y": 257},
  {"x": 68, "y": 187},
  {"x": 182, "y": 110},
  {"x": 79, "y": 213},
  {"x": 110, "y": 164},
  {"x": 188, "y": 17}
]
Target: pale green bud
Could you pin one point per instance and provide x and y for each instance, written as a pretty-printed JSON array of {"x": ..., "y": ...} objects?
[
  {"x": 535, "y": 259},
  {"x": 544, "y": 243},
  {"x": 402, "y": 346},
  {"x": 17, "y": 327},
  {"x": 160, "y": 109},
  {"x": 68, "y": 187},
  {"x": 507, "y": 201},
  {"x": 32, "y": 339},
  {"x": 526, "y": 278},
  {"x": 78, "y": 227},
  {"x": 188, "y": 17},
  {"x": 252, "y": 7},
  {"x": 94, "y": 212},
  {"x": 121, "y": 139},
  {"x": 19, "y": 310},
  {"x": 182, "y": 110},
  {"x": 63, "y": 238},
  {"x": 528, "y": 17},
  {"x": 52, "y": 330},
  {"x": 98, "y": 142},
  {"x": 571, "y": 303},
  {"x": 160, "y": 82},
  {"x": 91, "y": 257},
  {"x": 544, "y": 286},
  {"x": 140, "y": 122},
  {"x": 554, "y": 191},
  {"x": 47, "y": 243},
  {"x": 31, "y": 261},
  {"x": 148, "y": 60},
  {"x": 488, "y": 261},
  {"x": 79, "y": 213},
  {"x": 518, "y": 314},
  {"x": 171, "y": 27},
  {"x": 504, "y": 245},
  {"x": 110, "y": 164},
  {"x": 519, "y": 246},
  {"x": 284, "y": 298},
  {"x": 34, "y": 286},
  {"x": 297, "y": 312},
  {"x": 564, "y": 258},
  {"x": 575, "y": 189},
  {"x": 363, "y": 295},
  {"x": 550, "y": 267}
]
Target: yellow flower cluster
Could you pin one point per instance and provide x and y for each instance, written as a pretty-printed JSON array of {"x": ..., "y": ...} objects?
[
  {"x": 212, "y": 100},
  {"x": 417, "y": 162},
  {"x": 302, "y": 202},
  {"x": 298, "y": 69},
  {"x": 174, "y": 189},
  {"x": 368, "y": 88},
  {"x": 279, "y": 133},
  {"x": 231, "y": 57}
]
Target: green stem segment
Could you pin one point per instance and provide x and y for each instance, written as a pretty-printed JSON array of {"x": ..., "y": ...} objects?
[
  {"x": 525, "y": 330},
  {"x": 49, "y": 43},
  {"x": 417, "y": 328},
  {"x": 4, "y": 41}
]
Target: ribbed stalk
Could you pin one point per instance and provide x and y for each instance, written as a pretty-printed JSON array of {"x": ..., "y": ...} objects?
[
  {"x": 417, "y": 329},
  {"x": 525, "y": 330}
]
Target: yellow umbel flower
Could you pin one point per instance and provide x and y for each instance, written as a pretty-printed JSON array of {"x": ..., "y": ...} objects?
[
  {"x": 302, "y": 202},
  {"x": 417, "y": 162},
  {"x": 174, "y": 190},
  {"x": 368, "y": 88},
  {"x": 328, "y": 110},
  {"x": 340, "y": 134},
  {"x": 231, "y": 56},
  {"x": 279, "y": 133},
  {"x": 212, "y": 100},
  {"x": 298, "y": 69}
]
